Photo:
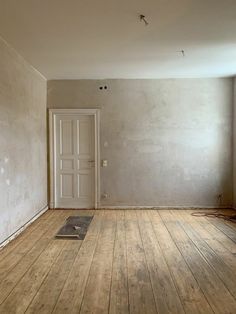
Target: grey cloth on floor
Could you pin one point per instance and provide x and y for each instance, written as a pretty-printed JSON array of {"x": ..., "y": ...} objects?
[{"x": 75, "y": 227}]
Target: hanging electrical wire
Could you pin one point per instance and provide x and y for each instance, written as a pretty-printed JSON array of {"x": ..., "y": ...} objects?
[{"x": 143, "y": 18}]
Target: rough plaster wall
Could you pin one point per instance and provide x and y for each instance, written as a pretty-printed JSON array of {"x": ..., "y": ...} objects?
[
  {"x": 168, "y": 142},
  {"x": 234, "y": 146},
  {"x": 23, "y": 174}
]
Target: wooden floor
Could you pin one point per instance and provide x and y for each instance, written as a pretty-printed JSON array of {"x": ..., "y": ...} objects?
[{"x": 143, "y": 261}]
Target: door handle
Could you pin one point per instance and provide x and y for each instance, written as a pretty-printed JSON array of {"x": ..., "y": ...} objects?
[{"x": 91, "y": 160}]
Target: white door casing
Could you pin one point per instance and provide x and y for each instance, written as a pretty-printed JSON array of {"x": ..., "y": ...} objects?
[
  {"x": 74, "y": 161},
  {"x": 74, "y": 158}
]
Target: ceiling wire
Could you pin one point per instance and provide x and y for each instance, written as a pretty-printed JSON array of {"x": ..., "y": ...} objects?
[{"x": 143, "y": 18}]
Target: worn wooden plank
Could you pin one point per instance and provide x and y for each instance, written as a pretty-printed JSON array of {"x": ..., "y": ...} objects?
[
  {"x": 141, "y": 296},
  {"x": 31, "y": 236},
  {"x": 36, "y": 225},
  {"x": 23, "y": 293},
  {"x": 189, "y": 291},
  {"x": 101, "y": 269},
  {"x": 228, "y": 230},
  {"x": 215, "y": 291},
  {"x": 148, "y": 265},
  {"x": 212, "y": 232},
  {"x": 18, "y": 271},
  {"x": 70, "y": 299},
  {"x": 119, "y": 296},
  {"x": 226, "y": 274},
  {"x": 165, "y": 293},
  {"x": 47, "y": 296},
  {"x": 215, "y": 239},
  {"x": 24, "y": 247}
]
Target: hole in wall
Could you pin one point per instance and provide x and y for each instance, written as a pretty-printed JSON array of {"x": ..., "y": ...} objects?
[{"x": 103, "y": 87}]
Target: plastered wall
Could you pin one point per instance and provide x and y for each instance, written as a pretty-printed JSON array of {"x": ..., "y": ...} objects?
[
  {"x": 234, "y": 146},
  {"x": 167, "y": 142},
  {"x": 23, "y": 174}
]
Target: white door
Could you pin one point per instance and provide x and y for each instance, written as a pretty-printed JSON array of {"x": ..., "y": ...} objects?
[{"x": 74, "y": 161}]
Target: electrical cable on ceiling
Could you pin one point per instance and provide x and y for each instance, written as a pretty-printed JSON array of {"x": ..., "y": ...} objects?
[
  {"x": 143, "y": 18},
  {"x": 182, "y": 53}
]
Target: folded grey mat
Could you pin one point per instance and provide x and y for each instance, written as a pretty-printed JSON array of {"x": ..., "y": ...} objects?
[{"x": 75, "y": 227}]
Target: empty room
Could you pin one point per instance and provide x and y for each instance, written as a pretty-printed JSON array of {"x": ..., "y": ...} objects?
[{"x": 118, "y": 156}]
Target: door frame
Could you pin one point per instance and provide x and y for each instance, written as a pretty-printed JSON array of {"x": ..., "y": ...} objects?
[{"x": 53, "y": 113}]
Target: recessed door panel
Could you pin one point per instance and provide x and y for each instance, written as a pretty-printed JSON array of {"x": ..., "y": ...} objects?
[
  {"x": 67, "y": 164},
  {"x": 84, "y": 185},
  {"x": 66, "y": 137},
  {"x": 67, "y": 185},
  {"x": 84, "y": 137}
]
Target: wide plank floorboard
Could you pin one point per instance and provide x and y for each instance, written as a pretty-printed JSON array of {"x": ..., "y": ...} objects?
[
  {"x": 27, "y": 260},
  {"x": 130, "y": 262},
  {"x": 119, "y": 295},
  {"x": 165, "y": 293},
  {"x": 208, "y": 280},
  {"x": 141, "y": 296},
  {"x": 192, "y": 297}
]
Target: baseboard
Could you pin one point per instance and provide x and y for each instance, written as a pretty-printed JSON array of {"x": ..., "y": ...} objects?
[
  {"x": 164, "y": 207},
  {"x": 21, "y": 229}
]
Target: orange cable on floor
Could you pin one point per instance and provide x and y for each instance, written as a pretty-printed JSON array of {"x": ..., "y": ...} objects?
[{"x": 216, "y": 214}]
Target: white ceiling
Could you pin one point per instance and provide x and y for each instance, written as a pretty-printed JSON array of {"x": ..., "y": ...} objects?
[{"x": 70, "y": 39}]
